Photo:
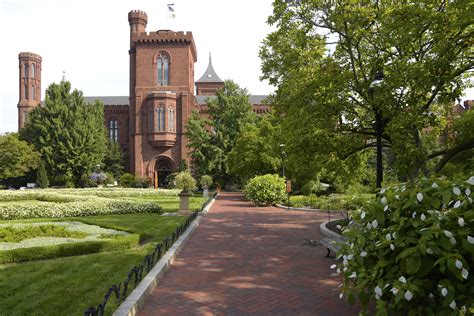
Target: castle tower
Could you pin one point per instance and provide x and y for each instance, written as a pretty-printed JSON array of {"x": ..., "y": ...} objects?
[
  {"x": 30, "y": 85},
  {"x": 210, "y": 82},
  {"x": 161, "y": 98}
]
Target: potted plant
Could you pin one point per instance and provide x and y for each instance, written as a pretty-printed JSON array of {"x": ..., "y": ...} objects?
[
  {"x": 185, "y": 182},
  {"x": 98, "y": 177},
  {"x": 206, "y": 182}
]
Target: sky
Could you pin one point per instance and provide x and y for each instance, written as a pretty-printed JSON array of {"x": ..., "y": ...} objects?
[{"x": 89, "y": 40}]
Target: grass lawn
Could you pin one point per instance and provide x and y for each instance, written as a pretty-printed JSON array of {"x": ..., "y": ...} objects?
[{"x": 67, "y": 286}]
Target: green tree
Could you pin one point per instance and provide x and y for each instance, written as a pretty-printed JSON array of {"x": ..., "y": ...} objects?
[
  {"x": 324, "y": 56},
  {"x": 211, "y": 139},
  {"x": 257, "y": 150},
  {"x": 113, "y": 160},
  {"x": 41, "y": 176},
  {"x": 68, "y": 133},
  {"x": 17, "y": 157}
]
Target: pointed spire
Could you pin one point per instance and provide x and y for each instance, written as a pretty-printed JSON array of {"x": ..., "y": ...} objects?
[
  {"x": 210, "y": 75},
  {"x": 64, "y": 76}
]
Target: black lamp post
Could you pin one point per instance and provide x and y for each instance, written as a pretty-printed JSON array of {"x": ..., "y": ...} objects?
[
  {"x": 373, "y": 90},
  {"x": 283, "y": 157}
]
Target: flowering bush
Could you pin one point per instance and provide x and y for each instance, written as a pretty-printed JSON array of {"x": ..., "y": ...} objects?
[
  {"x": 98, "y": 177},
  {"x": 412, "y": 250},
  {"x": 265, "y": 190}
]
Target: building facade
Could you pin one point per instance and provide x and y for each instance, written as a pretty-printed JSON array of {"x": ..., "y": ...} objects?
[{"x": 149, "y": 124}]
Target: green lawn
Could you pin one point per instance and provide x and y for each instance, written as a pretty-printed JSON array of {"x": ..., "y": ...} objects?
[{"x": 67, "y": 286}]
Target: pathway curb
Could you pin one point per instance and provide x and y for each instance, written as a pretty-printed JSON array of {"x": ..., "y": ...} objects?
[{"x": 137, "y": 298}]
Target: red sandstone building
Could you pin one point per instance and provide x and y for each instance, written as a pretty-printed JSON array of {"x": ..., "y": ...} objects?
[{"x": 149, "y": 124}]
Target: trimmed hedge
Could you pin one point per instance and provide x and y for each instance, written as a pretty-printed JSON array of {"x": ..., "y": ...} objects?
[
  {"x": 331, "y": 202},
  {"x": 71, "y": 249},
  {"x": 265, "y": 190}
]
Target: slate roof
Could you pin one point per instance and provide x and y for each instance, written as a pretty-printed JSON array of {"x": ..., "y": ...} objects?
[
  {"x": 254, "y": 99},
  {"x": 109, "y": 100},
  {"x": 210, "y": 75}
]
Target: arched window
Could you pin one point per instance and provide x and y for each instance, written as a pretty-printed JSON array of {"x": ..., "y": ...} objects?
[
  {"x": 33, "y": 92},
  {"x": 26, "y": 70},
  {"x": 25, "y": 88},
  {"x": 160, "y": 119},
  {"x": 113, "y": 130},
  {"x": 33, "y": 71},
  {"x": 163, "y": 65},
  {"x": 171, "y": 120}
]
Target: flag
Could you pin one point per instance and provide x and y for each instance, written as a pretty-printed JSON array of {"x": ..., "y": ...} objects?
[{"x": 171, "y": 10}]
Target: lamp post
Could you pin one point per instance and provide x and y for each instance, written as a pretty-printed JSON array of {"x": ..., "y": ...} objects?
[
  {"x": 283, "y": 157},
  {"x": 373, "y": 90}
]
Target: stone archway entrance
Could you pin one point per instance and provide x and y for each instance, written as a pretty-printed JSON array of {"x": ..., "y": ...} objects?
[{"x": 163, "y": 168}]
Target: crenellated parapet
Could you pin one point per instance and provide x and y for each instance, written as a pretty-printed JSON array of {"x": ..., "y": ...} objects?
[
  {"x": 112, "y": 109},
  {"x": 137, "y": 16},
  {"x": 166, "y": 37},
  {"x": 29, "y": 56}
]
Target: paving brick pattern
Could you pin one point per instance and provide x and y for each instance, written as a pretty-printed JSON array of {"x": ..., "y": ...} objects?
[{"x": 243, "y": 260}]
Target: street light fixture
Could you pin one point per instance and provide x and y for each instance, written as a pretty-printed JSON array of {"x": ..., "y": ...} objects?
[
  {"x": 374, "y": 89},
  {"x": 283, "y": 157}
]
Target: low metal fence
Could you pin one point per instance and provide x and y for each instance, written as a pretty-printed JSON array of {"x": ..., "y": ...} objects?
[{"x": 136, "y": 274}]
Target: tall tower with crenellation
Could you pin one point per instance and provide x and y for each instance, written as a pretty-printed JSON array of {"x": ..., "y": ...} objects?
[
  {"x": 161, "y": 98},
  {"x": 30, "y": 85}
]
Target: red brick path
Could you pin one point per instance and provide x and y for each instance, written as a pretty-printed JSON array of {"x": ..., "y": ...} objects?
[{"x": 244, "y": 260}]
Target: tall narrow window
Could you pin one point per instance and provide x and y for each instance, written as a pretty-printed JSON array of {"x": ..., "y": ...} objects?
[
  {"x": 171, "y": 120},
  {"x": 25, "y": 88},
  {"x": 33, "y": 71},
  {"x": 163, "y": 64},
  {"x": 26, "y": 70},
  {"x": 113, "y": 130},
  {"x": 150, "y": 122},
  {"x": 33, "y": 92},
  {"x": 160, "y": 119}
]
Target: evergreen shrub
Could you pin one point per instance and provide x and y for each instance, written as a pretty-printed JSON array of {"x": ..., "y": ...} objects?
[
  {"x": 412, "y": 250},
  {"x": 265, "y": 190}
]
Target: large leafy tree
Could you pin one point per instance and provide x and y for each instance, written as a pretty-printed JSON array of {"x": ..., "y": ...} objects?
[
  {"x": 257, "y": 150},
  {"x": 17, "y": 157},
  {"x": 212, "y": 138},
  {"x": 68, "y": 133},
  {"x": 324, "y": 55}
]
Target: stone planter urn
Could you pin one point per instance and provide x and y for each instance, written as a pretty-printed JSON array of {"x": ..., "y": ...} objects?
[
  {"x": 184, "y": 203},
  {"x": 205, "y": 192}
]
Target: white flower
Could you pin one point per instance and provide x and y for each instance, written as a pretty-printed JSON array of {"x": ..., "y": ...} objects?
[
  {"x": 384, "y": 200},
  {"x": 464, "y": 273},
  {"x": 452, "y": 240},
  {"x": 456, "y": 191},
  {"x": 349, "y": 257},
  {"x": 394, "y": 291},
  {"x": 385, "y": 208},
  {"x": 413, "y": 215},
  {"x": 394, "y": 235},
  {"x": 353, "y": 275},
  {"x": 392, "y": 247},
  {"x": 448, "y": 234},
  {"x": 470, "y": 239},
  {"x": 341, "y": 296},
  {"x": 333, "y": 266},
  {"x": 375, "y": 224},
  {"x": 397, "y": 197},
  {"x": 378, "y": 290},
  {"x": 369, "y": 226},
  {"x": 388, "y": 237},
  {"x": 419, "y": 196},
  {"x": 458, "y": 264},
  {"x": 471, "y": 180},
  {"x": 434, "y": 185},
  {"x": 338, "y": 227},
  {"x": 408, "y": 295},
  {"x": 362, "y": 215},
  {"x": 382, "y": 190},
  {"x": 363, "y": 254},
  {"x": 338, "y": 270},
  {"x": 453, "y": 304},
  {"x": 461, "y": 221},
  {"x": 457, "y": 204},
  {"x": 431, "y": 295},
  {"x": 402, "y": 279},
  {"x": 429, "y": 251},
  {"x": 403, "y": 189},
  {"x": 444, "y": 291},
  {"x": 468, "y": 192}
]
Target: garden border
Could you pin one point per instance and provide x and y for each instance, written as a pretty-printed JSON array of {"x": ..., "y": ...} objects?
[
  {"x": 137, "y": 298},
  {"x": 304, "y": 209}
]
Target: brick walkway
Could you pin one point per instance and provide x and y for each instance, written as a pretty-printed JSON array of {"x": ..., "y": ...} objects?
[{"x": 244, "y": 260}]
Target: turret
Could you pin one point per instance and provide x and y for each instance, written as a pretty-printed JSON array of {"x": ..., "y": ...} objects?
[
  {"x": 210, "y": 82},
  {"x": 30, "y": 85},
  {"x": 137, "y": 20}
]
